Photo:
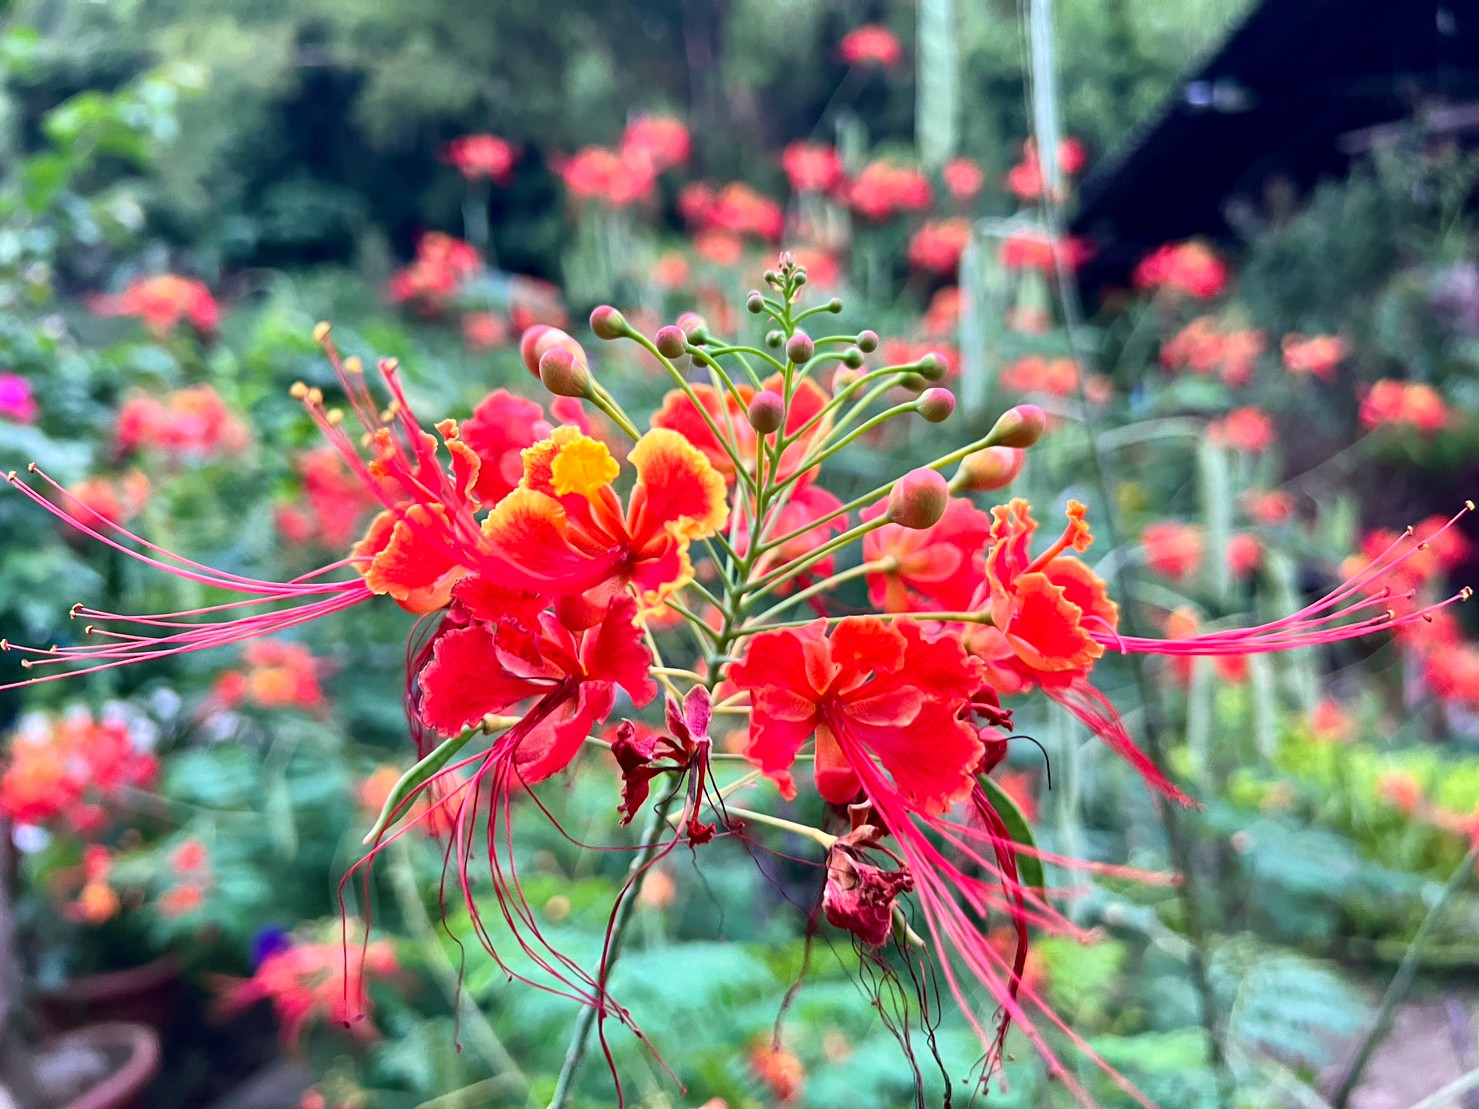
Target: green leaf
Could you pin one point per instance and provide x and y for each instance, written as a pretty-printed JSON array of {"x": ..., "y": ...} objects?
[{"x": 1029, "y": 866}]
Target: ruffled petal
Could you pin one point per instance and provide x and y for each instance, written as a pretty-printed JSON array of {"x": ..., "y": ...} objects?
[
  {"x": 530, "y": 530},
  {"x": 411, "y": 558},
  {"x": 678, "y": 491},
  {"x": 615, "y": 652},
  {"x": 463, "y": 681}
]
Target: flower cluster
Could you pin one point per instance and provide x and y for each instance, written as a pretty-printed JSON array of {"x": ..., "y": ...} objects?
[
  {"x": 190, "y": 424},
  {"x": 163, "y": 302},
  {"x": 557, "y": 570},
  {"x": 69, "y": 770}
]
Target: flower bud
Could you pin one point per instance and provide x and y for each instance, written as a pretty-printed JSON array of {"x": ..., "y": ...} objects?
[
  {"x": 767, "y": 412},
  {"x": 695, "y": 327},
  {"x": 834, "y": 305},
  {"x": 608, "y": 323},
  {"x": 1019, "y": 427},
  {"x": 852, "y": 357},
  {"x": 800, "y": 349},
  {"x": 671, "y": 341},
  {"x": 775, "y": 339},
  {"x": 918, "y": 499},
  {"x": 755, "y": 302},
  {"x": 931, "y": 367},
  {"x": 539, "y": 339},
  {"x": 988, "y": 470},
  {"x": 565, "y": 375},
  {"x": 936, "y": 405},
  {"x": 842, "y": 377},
  {"x": 867, "y": 341}
]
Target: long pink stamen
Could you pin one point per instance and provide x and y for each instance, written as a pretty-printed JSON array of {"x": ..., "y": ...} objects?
[{"x": 1328, "y": 620}]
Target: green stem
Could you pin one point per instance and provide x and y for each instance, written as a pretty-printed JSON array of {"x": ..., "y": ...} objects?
[
  {"x": 652, "y": 837},
  {"x": 1402, "y": 980}
]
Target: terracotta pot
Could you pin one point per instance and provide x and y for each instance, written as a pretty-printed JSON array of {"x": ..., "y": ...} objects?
[
  {"x": 138, "y": 1047},
  {"x": 143, "y": 995}
]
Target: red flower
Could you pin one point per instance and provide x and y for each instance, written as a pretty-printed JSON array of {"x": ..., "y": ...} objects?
[
  {"x": 656, "y": 142},
  {"x": 163, "y": 302},
  {"x": 740, "y": 210},
  {"x": 1415, "y": 404},
  {"x": 436, "y": 274},
  {"x": 1318, "y": 355},
  {"x": 1058, "y": 377},
  {"x": 564, "y": 529},
  {"x": 482, "y": 157},
  {"x": 1028, "y": 250},
  {"x": 115, "y": 500},
  {"x": 192, "y": 423},
  {"x": 812, "y": 167},
  {"x": 335, "y": 503},
  {"x": 1190, "y": 268},
  {"x": 604, "y": 176},
  {"x": 315, "y": 981},
  {"x": 964, "y": 178},
  {"x": 1246, "y": 429},
  {"x": 937, "y": 568},
  {"x": 871, "y": 45},
  {"x": 726, "y": 416},
  {"x": 1172, "y": 548},
  {"x": 883, "y": 189},
  {"x": 277, "y": 675},
  {"x": 869, "y": 690},
  {"x": 937, "y": 246}
]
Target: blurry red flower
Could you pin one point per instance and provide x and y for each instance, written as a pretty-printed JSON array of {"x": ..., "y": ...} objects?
[
  {"x": 1416, "y": 404},
  {"x": 192, "y": 423},
  {"x": 482, "y": 157},
  {"x": 657, "y": 142},
  {"x": 871, "y": 45},
  {"x": 937, "y": 246},
  {"x": 812, "y": 167},
  {"x": 1318, "y": 355},
  {"x": 1244, "y": 429},
  {"x": 1189, "y": 268},
  {"x": 162, "y": 302},
  {"x": 883, "y": 189},
  {"x": 964, "y": 179},
  {"x": 1172, "y": 548}
]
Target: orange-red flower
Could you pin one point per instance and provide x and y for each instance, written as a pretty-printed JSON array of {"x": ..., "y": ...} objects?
[
  {"x": 964, "y": 179},
  {"x": 565, "y": 530},
  {"x": 874, "y": 44},
  {"x": 191, "y": 423},
  {"x": 1034, "y": 250},
  {"x": 1172, "y": 548},
  {"x": 1246, "y": 429},
  {"x": 436, "y": 274},
  {"x": 482, "y": 157},
  {"x": 1057, "y": 377},
  {"x": 1190, "y": 269},
  {"x": 938, "y": 568},
  {"x": 869, "y": 690},
  {"x": 812, "y": 167},
  {"x": 276, "y": 675},
  {"x": 163, "y": 302},
  {"x": 726, "y": 411},
  {"x": 115, "y": 499},
  {"x": 604, "y": 176},
  {"x": 1318, "y": 355},
  {"x": 1416, "y": 404},
  {"x": 883, "y": 189},
  {"x": 305, "y": 982},
  {"x": 68, "y": 768},
  {"x": 657, "y": 143},
  {"x": 937, "y": 246}
]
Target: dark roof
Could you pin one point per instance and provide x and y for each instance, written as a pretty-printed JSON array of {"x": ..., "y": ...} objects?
[{"x": 1293, "y": 92}]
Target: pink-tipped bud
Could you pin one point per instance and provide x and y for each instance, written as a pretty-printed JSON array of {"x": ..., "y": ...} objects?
[
  {"x": 919, "y": 499},
  {"x": 564, "y": 374},
  {"x": 691, "y": 322},
  {"x": 608, "y": 323},
  {"x": 672, "y": 341},
  {"x": 540, "y": 339},
  {"x": 1019, "y": 427},
  {"x": 867, "y": 341},
  {"x": 936, "y": 405},
  {"x": 989, "y": 470},
  {"x": 767, "y": 412},
  {"x": 931, "y": 367},
  {"x": 800, "y": 348}
]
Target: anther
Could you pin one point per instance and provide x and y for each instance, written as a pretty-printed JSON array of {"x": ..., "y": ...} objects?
[
  {"x": 25, "y": 664},
  {"x": 389, "y": 365},
  {"x": 76, "y": 609},
  {"x": 4, "y": 644},
  {"x": 30, "y": 467},
  {"x": 335, "y": 416},
  {"x": 1465, "y": 593},
  {"x": 352, "y": 365},
  {"x": 1469, "y": 505},
  {"x": 10, "y": 477},
  {"x": 320, "y": 332},
  {"x": 88, "y": 630},
  {"x": 298, "y": 391},
  {"x": 315, "y": 397}
]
